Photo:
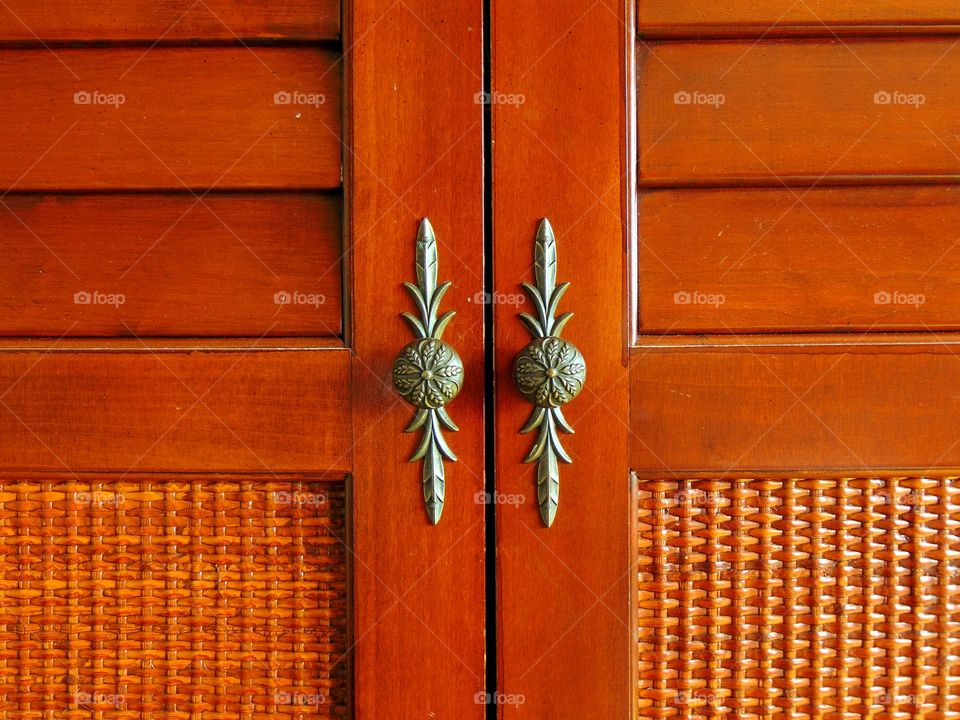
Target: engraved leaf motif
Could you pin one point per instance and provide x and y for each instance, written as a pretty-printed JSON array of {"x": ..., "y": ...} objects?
[
  {"x": 428, "y": 373},
  {"x": 549, "y": 372},
  {"x": 427, "y": 260},
  {"x": 545, "y": 260}
]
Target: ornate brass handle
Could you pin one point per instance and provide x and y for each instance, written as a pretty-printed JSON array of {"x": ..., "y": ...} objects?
[
  {"x": 549, "y": 372},
  {"x": 428, "y": 373}
]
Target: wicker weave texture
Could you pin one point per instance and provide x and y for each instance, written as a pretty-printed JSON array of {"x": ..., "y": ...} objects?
[
  {"x": 157, "y": 598},
  {"x": 803, "y": 598}
]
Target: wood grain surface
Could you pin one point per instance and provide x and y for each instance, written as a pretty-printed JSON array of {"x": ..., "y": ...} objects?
[
  {"x": 836, "y": 259},
  {"x": 414, "y": 150},
  {"x": 796, "y": 404},
  {"x": 170, "y": 118},
  {"x": 171, "y": 265},
  {"x": 260, "y": 412},
  {"x": 805, "y": 112},
  {"x": 168, "y": 20},
  {"x": 565, "y": 605},
  {"x": 768, "y": 18}
]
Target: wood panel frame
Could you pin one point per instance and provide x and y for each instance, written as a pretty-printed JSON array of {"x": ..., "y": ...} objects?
[
  {"x": 566, "y": 636},
  {"x": 413, "y": 150}
]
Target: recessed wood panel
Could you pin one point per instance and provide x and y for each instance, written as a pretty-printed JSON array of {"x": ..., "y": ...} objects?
[
  {"x": 180, "y": 411},
  {"x": 165, "y": 595},
  {"x": 170, "y": 118},
  {"x": 776, "y": 112},
  {"x": 773, "y": 17},
  {"x": 168, "y": 20},
  {"x": 171, "y": 265},
  {"x": 779, "y": 598},
  {"x": 830, "y": 259},
  {"x": 728, "y": 406}
]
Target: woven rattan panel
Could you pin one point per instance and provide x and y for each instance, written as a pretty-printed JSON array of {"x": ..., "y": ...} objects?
[
  {"x": 820, "y": 598},
  {"x": 159, "y": 598}
]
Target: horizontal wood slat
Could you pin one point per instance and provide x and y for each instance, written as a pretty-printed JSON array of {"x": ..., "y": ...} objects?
[
  {"x": 248, "y": 411},
  {"x": 830, "y": 259},
  {"x": 800, "y": 407},
  {"x": 773, "y": 17},
  {"x": 171, "y": 265},
  {"x": 169, "y": 20},
  {"x": 798, "y": 111},
  {"x": 169, "y": 118}
]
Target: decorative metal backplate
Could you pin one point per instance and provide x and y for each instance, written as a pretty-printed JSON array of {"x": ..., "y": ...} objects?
[
  {"x": 428, "y": 373},
  {"x": 549, "y": 372}
]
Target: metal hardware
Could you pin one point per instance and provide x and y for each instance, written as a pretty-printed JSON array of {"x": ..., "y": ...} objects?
[
  {"x": 428, "y": 373},
  {"x": 549, "y": 372}
]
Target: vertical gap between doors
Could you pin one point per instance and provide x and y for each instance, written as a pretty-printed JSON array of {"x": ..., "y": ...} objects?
[{"x": 490, "y": 519}]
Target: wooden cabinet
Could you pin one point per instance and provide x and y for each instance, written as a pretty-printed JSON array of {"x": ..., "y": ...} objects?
[{"x": 687, "y": 449}]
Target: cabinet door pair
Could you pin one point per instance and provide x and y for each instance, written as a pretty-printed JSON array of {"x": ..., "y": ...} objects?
[{"x": 434, "y": 360}]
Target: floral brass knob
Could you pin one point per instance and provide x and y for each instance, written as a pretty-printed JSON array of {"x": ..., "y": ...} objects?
[
  {"x": 549, "y": 372},
  {"x": 428, "y": 373}
]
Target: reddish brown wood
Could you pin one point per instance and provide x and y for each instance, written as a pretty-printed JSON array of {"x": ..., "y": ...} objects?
[
  {"x": 415, "y": 149},
  {"x": 831, "y": 259},
  {"x": 795, "y": 405},
  {"x": 259, "y": 412},
  {"x": 171, "y": 265},
  {"x": 799, "y": 111},
  {"x": 191, "y": 118},
  {"x": 777, "y": 17},
  {"x": 168, "y": 20},
  {"x": 565, "y": 608}
]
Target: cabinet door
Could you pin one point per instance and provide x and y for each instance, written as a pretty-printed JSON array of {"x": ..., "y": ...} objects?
[
  {"x": 207, "y": 507},
  {"x": 754, "y": 207}
]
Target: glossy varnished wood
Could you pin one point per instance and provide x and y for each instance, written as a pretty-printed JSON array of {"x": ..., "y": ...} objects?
[
  {"x": 190, "y": 118},
  {"x": 415, "y": 150},
  {"x": 168, "y": 20},
  {"x": 798, "y": 111},
  {"x": 174, "y": 265},
  {"x": 183, "y": 411},
  {"x": 795, "y": 404},
  {"x": 775, "y": 17},
  {"x": 831, "y": 259},
  {"x": 564, "y": 637}
]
